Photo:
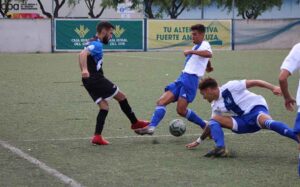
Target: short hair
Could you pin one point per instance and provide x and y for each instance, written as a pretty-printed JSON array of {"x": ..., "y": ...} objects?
[
  {"x": 198, "y": 27},
  {"x": 208, "y": 83},
  {"x": 104, "y": 25}
]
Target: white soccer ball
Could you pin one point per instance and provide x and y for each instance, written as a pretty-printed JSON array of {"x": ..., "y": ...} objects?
[{"x": 177, "y": 127}]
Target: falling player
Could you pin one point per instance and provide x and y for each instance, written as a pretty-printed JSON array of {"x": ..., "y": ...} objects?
[{"x": 236, "y": 108}]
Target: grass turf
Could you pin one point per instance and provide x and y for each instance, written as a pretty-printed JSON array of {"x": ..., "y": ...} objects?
[{"x": 47, "y": 113}]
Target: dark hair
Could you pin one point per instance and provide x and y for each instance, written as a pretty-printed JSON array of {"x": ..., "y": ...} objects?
[
  {"x": 208, "y": 83},
  {"x": 104, "y": 25},
  {"x": 198, "y": 27}
]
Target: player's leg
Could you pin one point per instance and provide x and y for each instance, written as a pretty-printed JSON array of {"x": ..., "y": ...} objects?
[
  {"x": 97, "y": 138},
  {"x": 225, "y": 121},
  {"x": 218, "y": 136},
  {"x": 159, "y": 113},
  {"x": 127, "y": 110},
  {"x": 297, "y": 128},
  {"x": 266, "y": 122},
  {"x": 189, "y": 114},
  {"x": 95, "y": 90},
  {"x": 160, "y": 109},
  {"x": 297, "y": 132}
]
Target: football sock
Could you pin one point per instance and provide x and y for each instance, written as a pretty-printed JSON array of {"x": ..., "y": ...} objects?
[
  {"x": 100, "y": 121},
  {"x": 193, "y": 117},
  {"x": 299, "y": 165},
  {"x": 128, "y": 111},
  {"x": 297, "y": 124},
  {"x": 158, "y": 115},
  {"x": 281, "y": 129},
  {"x": 217, "y": 133}
]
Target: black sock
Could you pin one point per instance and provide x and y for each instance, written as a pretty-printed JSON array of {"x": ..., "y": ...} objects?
[
  {"x": 100, "y": 121},
  {"x": 127, "y": 111}
]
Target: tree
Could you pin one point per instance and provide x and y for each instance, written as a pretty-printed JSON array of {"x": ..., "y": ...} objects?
[
  {"x": 250, "y": 9},
  {"x": 172, "y": 8},
  {"x": 58, "y": 5},
  {"x": 106, "y": 4},
  {"x": 149, "y": 11},
  {"x": 90, "y": 5},
  {"x": 4, "y": 11}
]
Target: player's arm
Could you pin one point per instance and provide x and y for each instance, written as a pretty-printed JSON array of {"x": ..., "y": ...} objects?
[
  {"x": 283, "y": 82},
  {"x": 202, "y": 53},
  {"x": 209, "y": 67},
  {"x": 83, "y": 63},
  {"x": 263, "y": 84},
  {"x": 204, "y": 135}
]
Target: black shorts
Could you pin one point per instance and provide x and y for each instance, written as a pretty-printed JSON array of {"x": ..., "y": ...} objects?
[{"x": 100, "y": 88}]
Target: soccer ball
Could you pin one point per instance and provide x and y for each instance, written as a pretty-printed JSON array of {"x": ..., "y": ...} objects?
[{"x": 177, "y": 127}]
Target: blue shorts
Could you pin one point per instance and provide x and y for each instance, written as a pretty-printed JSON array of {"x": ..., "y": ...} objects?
[
  {"x": 297, "y": 124},
  {"x": 185, "y": 86},
  {"x": 248, "y": 123}
]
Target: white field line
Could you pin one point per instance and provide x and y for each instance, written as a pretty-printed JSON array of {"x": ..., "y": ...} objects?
[
  {"x": 65, "y": 179},
  {"x": 127, "y": 137}
]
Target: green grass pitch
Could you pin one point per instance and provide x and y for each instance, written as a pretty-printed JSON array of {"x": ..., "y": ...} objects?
[{"x": 47, "y": 113}]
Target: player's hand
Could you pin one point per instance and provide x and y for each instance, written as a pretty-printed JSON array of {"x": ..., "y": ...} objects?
[
  {"x": 186, "y": 52},
  {"x": 209, "y": 69},
  {"x": 298, "y": 136},
  {"x": 85, "y": 74},
  {"x": 192, "y": 145},
  {"x": 277, "y": 91},
  {"x": 290, "y": 104}
]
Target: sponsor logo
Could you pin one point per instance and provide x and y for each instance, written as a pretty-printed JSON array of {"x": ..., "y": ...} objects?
[
  {"x": 228, "y": 100},
  {"x": 81, "y": 31},
  {"x": 119, "y": 31}
]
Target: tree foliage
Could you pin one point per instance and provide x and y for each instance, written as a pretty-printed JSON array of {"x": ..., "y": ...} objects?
[
  {"x": 250, "y": 9},
  {"x": 91, "y": 4},
  {"x": 58, "y": 4},
  {"x": 172, "y": 8}
]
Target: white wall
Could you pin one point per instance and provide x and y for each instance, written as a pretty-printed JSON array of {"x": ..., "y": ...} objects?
[{"x": 25, "y": 35}]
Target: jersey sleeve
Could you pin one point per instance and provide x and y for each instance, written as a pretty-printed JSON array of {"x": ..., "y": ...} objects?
[
  {"x": 292, "y": 62},
  {"x": 94, "y": 48},
  {"x": 205, "y": 46},
  {"x": 236, "y": 85}
]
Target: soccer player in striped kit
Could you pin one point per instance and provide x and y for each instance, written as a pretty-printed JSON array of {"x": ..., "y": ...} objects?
[
  {"x": 236, "y": 108},
  {"x": 184, "y": 89},
  {"x": 291, "y": 64}
]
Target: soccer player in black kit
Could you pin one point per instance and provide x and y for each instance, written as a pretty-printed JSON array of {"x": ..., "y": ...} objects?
[{"x": 99, "y": 88}]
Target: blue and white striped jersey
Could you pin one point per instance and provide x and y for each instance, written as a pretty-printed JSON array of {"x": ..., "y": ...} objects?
[{"x": 236, "y": 100}]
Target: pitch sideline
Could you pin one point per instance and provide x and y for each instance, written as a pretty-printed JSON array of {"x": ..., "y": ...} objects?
[{"x": 51, "y": 171}]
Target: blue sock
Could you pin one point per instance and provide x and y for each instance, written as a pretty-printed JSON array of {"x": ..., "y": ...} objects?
[
  {"x": 217, "y": 133},
  {"x": 281, "y": 129},
  {"x": 299, "y": 165},
  {"x": 193, "y": 117},
  {"x": 297, "y": 124},
  {"x": 158, "y": 115}
]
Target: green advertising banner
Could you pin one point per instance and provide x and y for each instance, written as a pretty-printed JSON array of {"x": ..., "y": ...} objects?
[
  {"x": 71, "y": 34},
  {"x": 176, "y": 34}
]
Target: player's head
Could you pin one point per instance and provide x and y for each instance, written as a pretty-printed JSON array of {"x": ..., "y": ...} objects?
[
  {"x": 105, "y": 31},
  {"x": 198, "y": 32},
  {"x": 209, "y": 89}
]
